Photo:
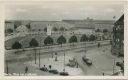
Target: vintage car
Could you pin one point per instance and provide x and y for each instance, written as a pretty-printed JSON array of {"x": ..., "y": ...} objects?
[
  {"x": 72, "y": 62},
  {"x": 64, "y": 73},
  {"x": 54, "y": 71},
  {"x": 44, "y": 69},
  {"x": 87, "y": 60}
]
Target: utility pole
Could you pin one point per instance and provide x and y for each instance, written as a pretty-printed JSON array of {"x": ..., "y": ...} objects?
[
  {"x": 113, "y": 66},
  {"x": 39, "y": 49},
  {"x": 35, "y": 55}
]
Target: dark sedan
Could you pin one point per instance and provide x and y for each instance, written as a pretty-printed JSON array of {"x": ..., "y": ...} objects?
[{"x": 53, "y": 71}]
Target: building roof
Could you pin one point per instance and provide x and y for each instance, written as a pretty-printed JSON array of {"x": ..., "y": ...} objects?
[
  {"x": 57, "y": 24},
  {"x": 92, "y": 20},
  {"x": 83, "y": 24},
  {"x": 103, "y": 21},
  {"x": 120, "y": 20},
  {"x": 8, "y": 22}
]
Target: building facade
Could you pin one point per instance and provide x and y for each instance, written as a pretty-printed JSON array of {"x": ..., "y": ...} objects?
[
  {"x": 82, "y": 30},
  {"x": 118, "y": 37},
  {"x": 55, "y": 26},
  {"x": 9, "y": 26},
  {"x": 88, "y": 26},
  {"x": 22, "y": 29}
]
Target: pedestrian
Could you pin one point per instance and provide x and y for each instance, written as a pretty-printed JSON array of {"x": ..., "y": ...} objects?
[
  {"x": 98, "y": 45},
  {"x": 103, "y": 74},
  {"x": 26, "y": 69},
  {"x": 52, "y": 55},
  {"x": 64, "y": 70},
  {"x": 50, "y": 66},
  {"x": 77, "y": 65},
  {"x": 56, "y": 56},
  {"x": 45, "y": 68}
]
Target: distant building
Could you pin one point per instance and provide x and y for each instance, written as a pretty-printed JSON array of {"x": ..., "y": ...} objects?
[
  {"x": 89, "y": 26},
  {"x": 8, "y": 26},
  {"x": 22, "y": 29},
  {"x": 104, "y": 24},
  {"x": 56, "y": 27},
  {"x": 118, "y": 37},
  {"x": 14, "y": 24},
  {"x": 99, "y": 35},
  {"x": 82, "y": 30},
  {"x": 97, "y": 24},
  {"x": 81, "y": 26}
]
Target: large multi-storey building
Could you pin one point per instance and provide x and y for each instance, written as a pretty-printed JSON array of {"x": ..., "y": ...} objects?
[
  {"x": 55, "y": 25},
  {"x": 90, "y": 26},
  {"x": 118, "y": 37}
]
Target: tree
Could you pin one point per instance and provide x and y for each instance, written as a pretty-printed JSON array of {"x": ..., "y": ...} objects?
[
  {"x": 45, "y": 29},
  {"x": 92, "y": 37},
  {"x": 73, "y": 39},
  {"x": 34, "y": 43},
  {"x": 16, "y": 45},
  {"x": 62, "y": 29},
  {"x": 28, "y": 26},
  {"x": 15, "y": 26},
  {"x": 61, "y": 40},
  {"x": 97, "y": 30},
  {"x": 48, "y": 41},
  {"x": 105, "y": 30},
  {"x": 55, "y": 29},
  {"x": 66, "y": 29},
  {"x": 9, "y": 31},
  {"x": 83, "y": 38}
]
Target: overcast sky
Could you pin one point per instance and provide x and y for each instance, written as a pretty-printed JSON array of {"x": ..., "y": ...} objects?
[{"x": 63, "y": 10}]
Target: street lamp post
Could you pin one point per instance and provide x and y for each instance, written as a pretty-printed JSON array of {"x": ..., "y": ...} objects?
[
  {"x": 85, "y": 47},
  {"x": 35, "y": 56},
  {"x": 64, "y": 61},
  {"x": 39, "y": 58},
  {"x": 7, "y": 66},
  {"x": 39, "y": 49}
]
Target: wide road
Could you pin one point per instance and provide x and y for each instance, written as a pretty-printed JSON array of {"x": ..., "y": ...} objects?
[
  {"x": 97, "y": 56},
  {"x": 102, "y": 59}
]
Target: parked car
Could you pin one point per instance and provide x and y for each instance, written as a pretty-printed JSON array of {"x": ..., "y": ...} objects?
[
  {"x": 87, "y": 60},
  {"x": 53, "y": 71},
  {"x": 64, "y": 73},
  {"x": 72, "y": 62},
  {"x": 44, "y": 69},
  {"x": 121, "y": 65}
]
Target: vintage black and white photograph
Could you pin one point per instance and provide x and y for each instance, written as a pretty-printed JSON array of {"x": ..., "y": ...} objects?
[{"x": 64, "y": 38}]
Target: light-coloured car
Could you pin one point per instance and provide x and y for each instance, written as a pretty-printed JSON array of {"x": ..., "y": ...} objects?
[{"x": 87, "y": 60}]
